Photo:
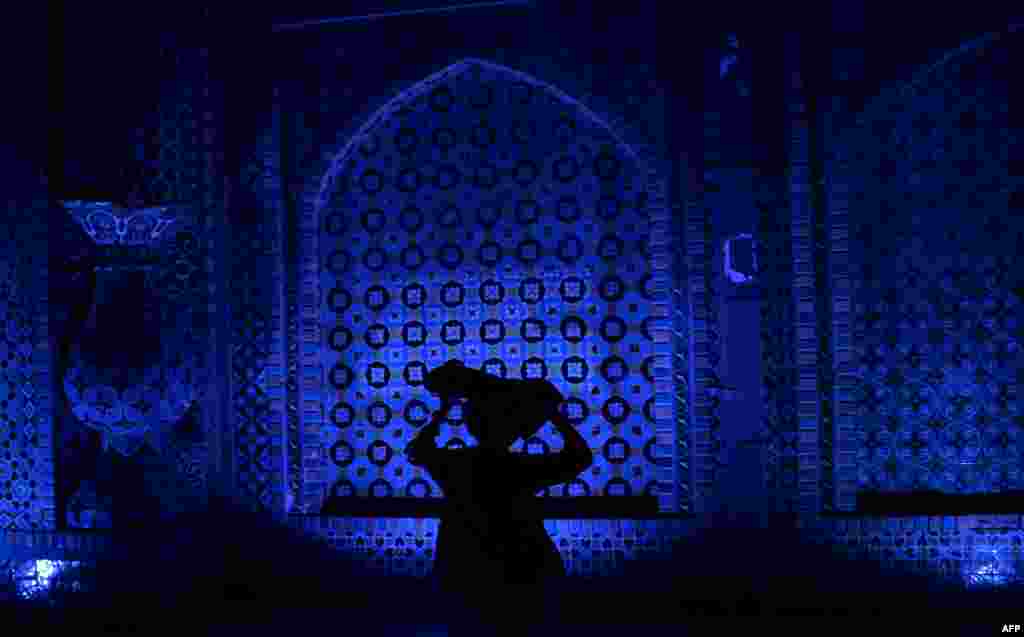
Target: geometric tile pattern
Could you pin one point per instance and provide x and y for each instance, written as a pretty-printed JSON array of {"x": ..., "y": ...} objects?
[
  {"x": 937, "y": 328},
  {"x": 704, "y": 325},
  {"x": 827, "y": 255},
  {"x": 838, "y": 413},
  {"x": 452, "y": 227},
  {"x": 779, "y": 423},
  {"x": 212, "y": 310},
  {"x": 70, "y": 301},
  {"x": 831, "y": 286},
  {"x": 682, "y": 329},
  {"x": 313, "y": 128},
  {"x": 257, "y": 339},
  {"x": 795, "y": 326},
  {"x": 969, "y": 551},
  {"x": 173, "y": 150},
  {"x": 810, "y": 298},
  {"x": 27, "y": 490},
  {"x": 405, "y": 547},
  {"x": 314, "y": 148},
  {"x": 171, "y": 169}
]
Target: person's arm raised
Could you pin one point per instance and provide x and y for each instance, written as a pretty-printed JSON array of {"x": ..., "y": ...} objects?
[
  {"x": 420, "y": 449},
  {"x": 545, "y": 470},
  {"x": 576, "y": 447}
]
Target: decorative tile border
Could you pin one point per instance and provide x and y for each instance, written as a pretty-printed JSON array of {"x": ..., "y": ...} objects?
[
  {"x": 682, "y": 333},
  {"x": 804, "y": 286},
  {"x": 706, "y": 344},
  {"x": 213, "y": 300},
  {"x": 839, "y": 495},
  {"x": 28, "y": 501},
  {"x": 778, "y": 343},
  {"x": 258, "y": 440}
]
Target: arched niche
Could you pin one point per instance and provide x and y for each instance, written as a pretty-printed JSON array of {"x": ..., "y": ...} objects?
[
  {"x": 927, "y": 191},
  {"x": 485, "y": 215}
]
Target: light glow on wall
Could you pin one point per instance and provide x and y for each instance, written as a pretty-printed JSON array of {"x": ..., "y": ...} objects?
[{"x": 35, "y": 578}]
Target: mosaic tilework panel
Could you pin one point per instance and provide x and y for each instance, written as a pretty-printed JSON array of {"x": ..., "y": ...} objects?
[
  {"x": 968, "y": 551},
  {"x": 936, "y": 228},
  {"x": 462, "y": 208},
  {"x": 27, "y": 488},
  {"x": 840, "y": 495},
  {"x": 402, "y": 546},
  {"x": 778, "y": 348},
  {"x": 809, "y": 285},
  {"x": 490, "y": 185},
  {"x": 705, "y": 305},
  {"x": 214, "y": 300},
  {"x": 681, "y": 334},
  {"x": 828, "y": 256},
  {"x": 634, "y": 106},
  {"x": 176, "y": 149},
  {"x": 69, "y": 300},
  {"x": 168, "y": 145},
  {"x": 173, "y": 149},
  {"x": 832, "y": 267},
  {"x": 257, "y": 341}
]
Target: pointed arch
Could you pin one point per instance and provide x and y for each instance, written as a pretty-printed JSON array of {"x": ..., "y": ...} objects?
[
  {"x": 911, "y": 162},
  {"x": 543, "y": 160},
  {"x": 450, "y": 72}
]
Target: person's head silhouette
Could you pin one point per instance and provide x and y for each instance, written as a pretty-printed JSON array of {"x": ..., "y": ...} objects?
[
  {"x": 452, "y": 380},
  {"x": 497, "y": 411},
  {"x": 491, "y": 431}
]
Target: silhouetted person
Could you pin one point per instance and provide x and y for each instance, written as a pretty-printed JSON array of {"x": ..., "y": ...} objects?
[{"x": 492, "y": 545}]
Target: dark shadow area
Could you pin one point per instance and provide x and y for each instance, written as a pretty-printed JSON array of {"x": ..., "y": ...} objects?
[
  {"x": 202, "y": 573},
  {"x": 938, "y": 503},
  {"x": 593, "y": 507}
]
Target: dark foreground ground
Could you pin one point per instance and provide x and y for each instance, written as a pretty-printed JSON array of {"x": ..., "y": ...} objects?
[{"x": 234, "y": 573}]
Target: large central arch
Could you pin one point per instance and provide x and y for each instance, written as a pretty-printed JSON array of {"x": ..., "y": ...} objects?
[{"x": 485, "y": 215}]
